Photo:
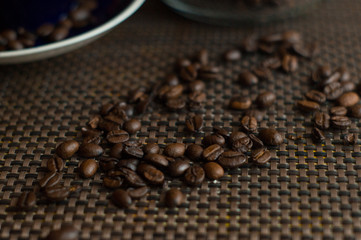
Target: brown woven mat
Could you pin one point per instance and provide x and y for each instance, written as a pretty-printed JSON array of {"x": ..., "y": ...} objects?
[{"x": 306, "y": 191}]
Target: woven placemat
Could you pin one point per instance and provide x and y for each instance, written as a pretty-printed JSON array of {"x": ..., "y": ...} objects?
[{"x": 306, "y": 191}]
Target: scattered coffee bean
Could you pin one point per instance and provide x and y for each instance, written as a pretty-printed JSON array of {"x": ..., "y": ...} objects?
[
  {"x": 270, "y": 136},
  {"x": 291, "y": 36},
  {"x": 345, "y": 74},
  {"x": 188, "y": 73},
  {"x": 132, "y": 178},
  {"x": 44, "y": 181},
  {"x": 133, "y": 151},
  {"x": 250, "y": 44},
  {"x": 256, "y": 142},
  {"x": 54, "y": 180},
  {"x": 132, "y": 126},
  {"x": 289, "y": 63},
  {"x": 351, "y": 139},
  {"x": 232, "y": 55},
  {"x": 240, "y": 142},
  {"x": 138, "y": 193},
  {"x": 176, "y": 104},
  {"x": 355, "y": 111},
  {"x": 182, "y": 63},
  {"x": 112, "y": 182},
  {"x": 240, "y": 103},
  {"x": 175, "y": 150},
  {"x": 331, "y": 79},
  {"x": 272, "y": 63},
  {"x": 308, "y": 106},
  {"x": 322, "y": 120},
  {"x": 261, "y": 155},
  {"x": 66, "y": 232},
  {"x": 26, "y": 201},
  {"x": 169, "y": 92},
  {"x": 88, "y": 168},
  {"x": 67, "y": 149},
  {"x": 59, "y": 33},
  {"x": 221, "y": 131},
  {"x": 232, "y": 159},
  {"x": 197, "y": 86},
  {"x": 117, "y": 136},
  {"x": 57, "y": 193},
  {"x": 340, "y": 122},
  {"x": 194, "y": 152},
  {"x": 348, "y": 99},
  {"x": 338, "y": 111},
  {"x": 265, "y": 99},
  {"x": 172, "y": 79},
  {"x": 121, "y": 198},
  {"x": 209, "y": 73},
  {"x": 194, "y": 123},
  {"x": 212, "y": 152},
  {"x": 194, "y": 175},
  {"x": 213, "y": 139},
  {"x": 333, "y": 90},
  {"x": 90, "y": 150},
  {"x": 151, "y": 174},
  {"x": 130, "y": 163},
  {"x": 258, "y": 114},
  {"x": 156, "y": 159},
  {"x": 178, "y": 167},
  {"x": 213, "y": 170},
  {"x": 263, "y": 73},
  {"x": 246, "y": 78},
  {"x": 151, "y": 148},
  {"x": 174, "y": 198},
  {"x": 202, "y": 57},
  {"x": 317, "y": 135},
  {"x": 116, "y": 151},
  {"x": 249, "y": 124},
  {"x": 55, "y": 164},
  {"x": 316, "y": 96},
  {"x": 348, "y": 86}
]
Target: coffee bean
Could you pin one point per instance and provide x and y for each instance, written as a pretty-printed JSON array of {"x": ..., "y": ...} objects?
[
  {"x": 240, "y": 142},
  {"x": 194, "y": 123},
  {"x": 121, "y": 198},
  {"x": 263, "y": 73},
  {"x": 94, "y": 121},
  {"x": 133, "y": 151},
  {"x": 175, "y": 104},
  {"x": 156, "y": 159},
  {"x": 79, "y": 16},
  {"x": 116, "y": 151},
  {"x": 197, "y": 86},
  {"x": 150, "y": 174},
  {"x": 306, "y": 50},
  {"x": 44, "y": 181},
  {"x": 132, "y": 126},
  {"x": 182, "y": 63},
  {"x": 188, "y": 73},
  {"x": 9, "y": 34},
  {"x": 138, "y": 193},
  {"x": 267, "y": 48},
  {"x": 232, "y": 159},
  {"x": 26, "y": 201},
  {"x": 246, "y": 78},
  {"x": 317, "y": 135},
  {"x": 316, "y": 96},
  {"x": 345, "y": 74},
  {"x": 151, "y": 148},
  {"x": 265, "y": 99},
  {"x": 194, "y": 152},
  {"x": 333, "y": 90},
  {"x": 291, "y": 36},
  {"x": 88, "y": 168},
  {"x": 133, "y": 143},
  {"x": 66, "y": 232},
  {"x": 256, "y": 142},
  {"x": 250, "y": 44},
  {"x": 171, "y": 80},
  {"x": 209, "y": 73},
  {"x": 117, "y": 136},
  {"x": 213, "y": 170},
  {"x": 289, "y": 63},
  {"x": 270, "y": 136},
  {"x": 174, "y": 198},
  {"x": 232, "y": 55},
  {"x": 169, "y": 92},
  {"x": 249, "y": 124},
  {"x": 57, "y": 193},
  {"x": 67, "y": 149},
  {"x": 351, "y": 139},
  {"x": 197, "y": 97},
  {"x": 202, "y": 57},
  {"x": 324, "y": 71},
  {"x": 194, "y": 175},
  {"x": 55, "y": 164},
  {"x": 258, "y": 114},
  {"x": 132, "y": 178},
  {"x": 134, "y": 96},
  {"x": 338, "y": 111},
  {"x": 107, "y": 163},
  {"x": 331, "y": 79},
  {"x": 272, "y": 63},
  {"x": 348, "y": 86},
  {"x": 340, "y": 122},
  {"x": 240, "y": 103},
  {"x": 45, "y": 30},
  {"x": 59, "y": 33},
  {"x": 90, "y": 150},
  {"x": 308, "y": 106},
  {"x": 178, "y": 167},
  {"x": 54, "y": 180},
  {"x": 15, "y": 45},
  {"x": 221, "y": 131},
  {"x": 261, "y": 155},
  {"x": 356, "y": 111},
  {"x": 130, "y": 163},
  {"x": 212, "y": 152},
  {"x": 175, "y": 150},
  {"x": 322, "y": 120},
  {"x": 348, "y": 99},
  {"x": 213, "y": 139}
]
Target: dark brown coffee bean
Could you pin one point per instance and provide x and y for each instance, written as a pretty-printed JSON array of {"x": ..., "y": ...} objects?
[
  {"x": 240, "y": 142},
  {"x": 265, "y": 99},
  {"x": 338, "y": 111},
  {"x": 117, "y": 136},
  {"x": 67, "y": 149},
  {"x": 45, "y": 30},
  {"x": 345, "y": 74},
  {"x": 270, "y": 136},
  {"x": 156, "y": 159},
  {"x": 79, "y": 16},
  {"x": 150, "y": 174},
  {"x": 221, "y": 131},
  {"x": 213, "y": 139},
  {"x": 250, "y": 44},
  {"x": 316, "y": 96},
  {"x": 94, "y": 121},
  {"x": 317, "y": 135},
  {"x": 331, "y": 79},
  {"x": 151, "y": 148},
  {"x": 240, "y": 103},
  {"x": 355, "y": 111},
  {"x": 194, "y": 175},
  {"x": 55, "y": 164},
  {"x": 348, "y": 99},
  {"x": 249, "y": 124},
  {"x": 194, "y": 123},
  {"x": 308, "y": 106},
  {"x": 197, "y": 86},
  {"x": 351, "y": 139},
  {"x": 306, "y": 50},
  {"x": 44, "y": 181},
  {"x": 188, "y": 73},
  {"x": 232, "y": 55},
  {"x": 209, "y": 73},
  {"x": 194, "y": 152},
  {"x": 9, "y": 34},
  {"x": 131, "y": 151},
  {"x": 90, "y": 150},
  {"x": 256, "y": 142},
  {"x": 291, "y": 36},
  {"x": 197, "y": 97},
  {"x": 173, "y": 198},
  {"x": 171, "y": 80},
  {"x": 178, "y": 167},
  {"x": 263, "y": 73},
  {"x": 88, "y": 168},
  {"x": 137, "y": 95},
  {"x": 107, "y": 163},
  {"x": 340, "y": 122},
  {"x": 15, "y": 45},
  {"x": 26, "y": 201},
  {"x": 175, "y": 150},
  {"x": 212, "y": 152},
  {"x": 322, "y": 120},
  {"x": 258, "y": 114},
  {"x": 289, "y": 63},
  {"x": 182, "y": 63},
  {"x": 57, "y": 193},
  {"x": 116, "y": 151},
  {"x": 168, "y": 92},
  {"x": 54, "y": 180},
  {"x": 121, "y": 198},
  {"x": 132, "y": 126},
  {"x": 333, "y": 90},
  {"x": 202, "y": 57},
  {"x": 246, "y": 78},
  {"x": 138, "y": 193},
  {"x": 132, "y": 178},
  {"x": 66, "y": 232},
  {"x": 59, "y": 33},
  {"x": 272, "y": 63},
  {"x": 90, "y": 132},
  {"x": 112, "y": 182},
  {"x": 213, "y": 170},
  {"x": 348, "y": 86},
  {"x": 175, "y": 104},
  {"x": 232, "y": 159},
  {"x": 261, "y": 155},
  {"x": 130, "y": 163},
  {"x": 133, "y": 143}
]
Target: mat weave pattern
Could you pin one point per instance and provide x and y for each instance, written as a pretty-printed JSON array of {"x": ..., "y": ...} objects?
[{"x": 306, "y": 191}]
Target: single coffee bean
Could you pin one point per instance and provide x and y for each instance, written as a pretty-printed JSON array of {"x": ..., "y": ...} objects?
[
  {"x": 306, "y": 50},
  {"x": 90, "y": 150},
  {"x": 221, "y": 131},
  {"x": 213, "y": 139},
  {"x": 175, "y": 104},
  {"x": 116, "y": 150},
  {"x": 132, "y": 126},
  {"x": 265, "y": 99},
  {"x": 138, "y": 193},
  {"x": 333, "y": 90},
  {"x": 194, "y": 152},
  {"x": 54, "y": 180},
  {"x": 232, "y": 159},
  {"x": 348, "y": 86},
  {"x": 194, "y": 175},
  {"x": 188, "y": 73},
  {"x": 250, "y": 44},
  {"x": 308, "y": 106},
  {"x": 44, "y": 181},
  {"x": 26, "y": 201},
  {"x": 9, "y": 34},
  {"x": 213, "y": 170},
  {"x": 202, "y": 57},
  {"x": 15, "y": 45},
  {"x": 150, "y": 174},
  {"x": 151, "y": 148},
  {"x": 88, "y": 168},
  {"x": 355, "y": 111},
  {"x": 132, "y": 178},
  {"x": 263, "y": 73},
  {"x": 156, "y": 159},
  {"x": 270, "y": 136},
  {"x": 212, "y": 152},
  {"x": 258, "y": 114},
  {"x": 175, "y": 150},
  {"x": 209, "y": 73},
  {"x": 249, "y": 124},
  {"x": 59, "y": 33},
  {"x": 196, "y": 86},
  {"x": 194, "y": 123},
  {"x": 130, "y": 163},
  {"x": 340, "y": 122},
  {"x": 174, "y": 198},
  {"x": 261, "y": 155},
  {"x": 232, "y": 55},
  {"x": 291, "y": 36},
  {"x": 57, "y": 193},
  {"x": 317, "y": 135},
  {"x": 66, "y": 232},
  {"x": 107, "y": 163},
  {"x": 335, "y": 77},
  {"x": 45, "y": 30},
  {"x": 316, "y": 96},
  {"x": 338, "y": 111},
  {"x": 117, "y": 136},
  {"x": 348, "y": 99},
  {"x": 256, "y": 142},
  {"x": 90, "y": 132},
  {"x": 172, "y": 79},
  {"x": 182, "y": 63},
  {"x": 67, "y": 149},
  {"x": 112, "y": 182},
  {"x": 197, "y": 97},
  {"x": 289, "y": 63},
  {"x": 178, "y": 167},
  {"x": 133, "y": 143},
  {"x": 246, "y": 78},
  {"x": 133, "y": 151},
  {"x": 121, "y": 198},
  {"x": 240, "y": 103},
  {"x": 322, "y": 120},
  {"x": 240, "y": 142},
  {"x": 135, "y": 96},
  {"x": 351, "y": 139},
  {"x": 55, "y": 164},
  {"x": 345, "y": 74},
  {"x": 272, "y": 63},
  {"x": 169, "y": 92}
]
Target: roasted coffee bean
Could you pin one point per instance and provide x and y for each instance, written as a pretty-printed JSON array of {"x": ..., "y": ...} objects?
[
  {"x": 90, "y": 150},
  {"x": 175, "y": 104},
  {"x": 178, "y": 167},
  {"x": 54, "y": 180},
  {"x": 150, "y": 174},
  {"x": 340, "y": 122},
  {"x": 256, "y": 142},
  {"x": 117, "y": 136},
  {"x": 240, "y": 142},
  {"x": 355, "y": 111},
  {"x": 44, "y": 181},
  {"x": 213, "y": 170},
  {"x": 348, "y": 99},
  {"x": 133, "y": 143},
  {"x": 112, "y": 182},
  {"x": 194, "y": 123},
  {"x": 173, "y": 198},
  {"x": 90, "y": 134},
  {"x": 93, "y": 122},
  {"x": 194, "y": 175},
  {"x": 249, "y": 44},
  {"x": 151, "y": 148},
  {"x": 59, "y": 33},
  {"x": 232, "y": 55},
  {"x": 202, "y": 57},
  {"x": 232, "y": 159},
  {"x": 221, "y": 131},
  {"x": 188, "y": 73},
  {"x": 291, "y": 36},
  {"x": 130, "y": 163},
  {"x": 324, "y": 71},
  {"x": 168, "y": 92},
  {"x": 57, "y": 193},
  {"x": 306, "y": 50},
  {"x": 258, "y": 114},
  {"x": 331, "y": 79},
  {"x": 333, "y": 90},
  {"x": 197, "y": 86},
  {"x": 171, "y": 80},
  {"x": 317, "y": 135},
  {"x": 197, "y": 97},
  {"x": 338, "y": 111},
  {"x": 209, "y": 73},
  {"x": 175, "y": 150},
  {"x": 138, "y": 193},
  {"x": 121, "y": 198},
  {"x": 136, "y": 95},
  {"x": 266, "y": 48},
  {"x": 265, "y": 99},
  {"x": 66, "y": 232},
  {"x": 55, "y": 164},
  {"x": 240, "y": 103},
  {"x": 131, "y": 151},
  {"x": 351, "y": 138},
  {"x": 212, "y": 152},
  {"x": 289, "y": 63},
  {"x": 182, "y": 63},
  {"x": 132, "y": 126},
  {"x": 246, "y": 78},
  {"x": 308, "y": 106},
  {"x": 107, "y": 163},
  {"x": 9, "y": 34},
  {"x": 156, "y": 159},
  {"x": 67, "y": 149},
  {"x": 116, "y": 151},
  {"x": 213, "y": 139},
  {"x": 15, "y": 45},
  {"x": 261, "y": 155},
  {"x": 132, "y": 178},
  {"x": 88, "y": 168},
  {"x": 249, "y": 124},
  {"x": 194, "y": 152},
  {"x": 263, "y": 73},
  {"x": 110, "y": 125},
  {"x": 316, "y": 96},
  {"x": 322, "y": 120},
  {"x": 26, "y": 201},
  {"x": 270, "y": 136},
  {"x": 345, "y": 74},
  {"x": 348, "y": 86},
  {"x": 45, "y": 30}
]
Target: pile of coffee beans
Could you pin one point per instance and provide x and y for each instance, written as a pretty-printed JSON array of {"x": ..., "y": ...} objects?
[{"x": 78, "y": 17}]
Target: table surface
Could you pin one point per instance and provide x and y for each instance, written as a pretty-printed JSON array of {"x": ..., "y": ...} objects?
[{"x": 306, "y": 190}]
